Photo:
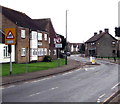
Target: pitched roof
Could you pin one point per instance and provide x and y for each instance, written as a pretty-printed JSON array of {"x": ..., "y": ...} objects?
[
  {"x": 97, "y": 37},
  {"x": 43, "y": 23},
  {"x": 19, "y": 18}
]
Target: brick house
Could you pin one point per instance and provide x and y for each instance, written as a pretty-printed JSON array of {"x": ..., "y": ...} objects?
[
  {"x": 27, "y": 33},
  {"x": 46, "y": 25},
  {"x": 101, "y": 45}
]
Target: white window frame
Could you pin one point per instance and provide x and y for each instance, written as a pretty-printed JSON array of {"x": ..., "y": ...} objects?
[
  {"x": 39, "y": 36},
  {"x": 49, "y": 52},
  {"x": 40, "y": 51},
  {"x": 45, "y": 36},
  {"x": 40, "y": 44},
  {"x": 54, "y": 52},
  {"x": 23, "y": 52},
  {"x": 45, "y": 51},
  {"x": 22, "y": 33},
  {"x": 49, "y": 40},
  {"x": 5, "y": 52}
]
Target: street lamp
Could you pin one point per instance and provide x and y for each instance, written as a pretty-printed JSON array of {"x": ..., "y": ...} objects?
[{"x": 66, "y": 39}]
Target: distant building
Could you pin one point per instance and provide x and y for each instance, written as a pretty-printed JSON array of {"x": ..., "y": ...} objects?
[
  {"x": 101, "y": 45},
  {"x": 74, "y": 47}
]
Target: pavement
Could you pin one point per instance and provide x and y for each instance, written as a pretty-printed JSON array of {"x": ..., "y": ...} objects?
[{"x": 72, "y": 64}]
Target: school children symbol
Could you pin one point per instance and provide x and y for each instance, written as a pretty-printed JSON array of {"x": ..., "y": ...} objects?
[{"x": 10, "y": 36}]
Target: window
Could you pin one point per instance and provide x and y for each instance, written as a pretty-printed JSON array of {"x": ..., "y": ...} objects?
[
  {"x": 54, "y": 52},
  {"x": 5, "y": 51},
  {"x": 22, "y": 33},
  {"x": 113, "y": 43},
  {"x": 22, "y": 51},
  {"x": 40, "y": 51},
  {"x": 45, "y": 36},
  {"x": 49, "y": 40},
  {"x": 49, "y": 52},
  {"x": 33, "y": 35},
  {"x": 33, "y": 52},
  {"x": 45, "y": 51},
  {"x": 39, "y": 36},
  {"x": 39, "y": 43}
]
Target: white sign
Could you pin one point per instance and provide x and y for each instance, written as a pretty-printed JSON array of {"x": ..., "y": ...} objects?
[
  {"x": 58, "y": 40},
  {"x": 58, "y": 45}
]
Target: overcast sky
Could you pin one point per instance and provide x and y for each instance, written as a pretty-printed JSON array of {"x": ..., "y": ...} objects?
[{"x": 84, "y": 16}]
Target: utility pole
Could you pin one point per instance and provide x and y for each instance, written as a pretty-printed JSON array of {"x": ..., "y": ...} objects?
[{"x": 66, "y": 40}]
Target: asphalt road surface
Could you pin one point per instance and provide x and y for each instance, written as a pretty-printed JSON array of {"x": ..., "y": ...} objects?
[{"x": 87, "y": 84}]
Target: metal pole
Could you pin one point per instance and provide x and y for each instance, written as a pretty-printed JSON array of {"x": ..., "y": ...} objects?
[
  {"x": 26, "y": 60},
  {"x": 58, "y": 58},
  {"x": 10, "y": 64},
  {"x": 66, "y": 40}
]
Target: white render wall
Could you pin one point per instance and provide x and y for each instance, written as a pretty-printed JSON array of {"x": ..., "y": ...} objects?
[
  {"x": 33, "y": 45},
  {"x": 6, "y": 59}
]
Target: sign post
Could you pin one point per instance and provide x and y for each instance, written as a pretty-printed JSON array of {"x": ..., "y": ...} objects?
[
  {"x": 58, "y": 45},
  {"x": 10, "y": 39}
]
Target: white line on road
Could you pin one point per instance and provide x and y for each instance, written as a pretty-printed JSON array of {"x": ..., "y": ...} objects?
[
  {"x": 11, "y": 86},
  {"x": 54, "y": 88},
  {"x": 42, "y": 92},
  {"x": 34, "y": 94},
  {"x": 115, "y": 86},
  {"x": 66, "y": 73},
  {"x": 102, "y": 96},
  {"x": 98, "y": 100}
]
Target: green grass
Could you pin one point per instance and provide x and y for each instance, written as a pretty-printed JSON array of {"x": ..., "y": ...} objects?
[{"x": 21, "y": 68}]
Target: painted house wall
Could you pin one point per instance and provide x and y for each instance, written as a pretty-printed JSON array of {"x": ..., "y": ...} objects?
[
  {"x": 43, "y": 46},
  {"x": 33, "y": 46},
  {"x": 4, "y": 55}
]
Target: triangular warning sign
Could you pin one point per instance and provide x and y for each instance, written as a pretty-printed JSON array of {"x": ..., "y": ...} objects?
[{"x": 10, "y": 35}]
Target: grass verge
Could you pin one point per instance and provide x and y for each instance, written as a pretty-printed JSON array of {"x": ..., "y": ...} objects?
[{"x": 32, "y": 67}]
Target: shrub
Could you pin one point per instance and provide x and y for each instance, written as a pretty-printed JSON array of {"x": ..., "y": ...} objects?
[{"x": 47, "y": 59}]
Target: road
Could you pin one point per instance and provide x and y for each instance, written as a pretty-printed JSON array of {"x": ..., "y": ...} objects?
[{"x": 87, "y": 84}]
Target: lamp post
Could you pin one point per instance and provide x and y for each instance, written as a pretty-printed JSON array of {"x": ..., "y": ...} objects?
[{"x": 66, "y": 39}]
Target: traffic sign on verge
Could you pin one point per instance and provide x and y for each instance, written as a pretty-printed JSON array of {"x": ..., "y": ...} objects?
[
  {"x": 10, "y": 36},
  {"x": 58, "y": 45}
]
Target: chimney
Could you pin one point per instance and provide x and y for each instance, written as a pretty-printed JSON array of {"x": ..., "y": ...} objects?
[
  {"x": 95, "y": 33},
  {"x": 100, "y": 32},
  {"x": 107, "y": 30}
]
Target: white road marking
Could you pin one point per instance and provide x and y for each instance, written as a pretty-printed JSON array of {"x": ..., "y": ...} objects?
[
  {"x": 26, "y": 82},
  {"x": 42, "y": 92},
  {"x": 54, "y": 88},
  {"x": 66, "y": 73},
  {"x": 86, "y": 69},
  {"x": 98, "y": 100},
  {"x": 11, "y": 86},
  {"x": 34, "y": 94},
  {"x": 102, "y": 96},
  {"x": 115, "y": 86}
]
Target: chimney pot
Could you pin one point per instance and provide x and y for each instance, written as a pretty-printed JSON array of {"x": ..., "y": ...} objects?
[
  {"x": 100, "y": 31},
  {"x": 95, "y": 33},
  {"x": 107, "y": 30}
]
